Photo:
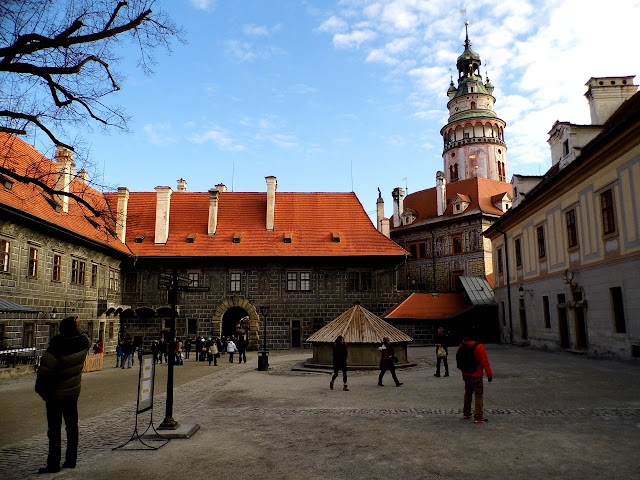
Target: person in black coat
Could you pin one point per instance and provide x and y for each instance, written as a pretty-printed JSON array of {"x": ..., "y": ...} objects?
[
  {"x": 340, "y": 354},
  {"x": 388, "y": 361},
  {"x": 58, "y": 382},
  {"x": 242, "y": 349}
]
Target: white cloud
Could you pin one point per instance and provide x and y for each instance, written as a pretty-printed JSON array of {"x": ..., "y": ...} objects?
[
  {"x": 353, "y": 39},
  {"x": 333, "y": 24},
  {"x": 159, "y": 134},
  {"x": 207, "y": 5},
  {"x": 255, "y": 30},
  {"x": 248, "y": 52},
  {"x": 216, "y": 136}
]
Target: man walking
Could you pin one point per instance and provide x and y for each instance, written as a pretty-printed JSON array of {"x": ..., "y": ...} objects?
[
  {"x": 58, "y": 383},
  {"x": 472, "y": 360}
]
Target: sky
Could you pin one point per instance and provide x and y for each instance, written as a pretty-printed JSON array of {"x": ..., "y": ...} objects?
[{"x": 350, "y": 95}]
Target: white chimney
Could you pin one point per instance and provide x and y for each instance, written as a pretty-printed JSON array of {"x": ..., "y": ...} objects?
[
  {"x": 163, "y": 205},
  {"x": 385, "y": 228},
  {"x": 441, "y": 193},
  {"x": 121, "y": 214},
  {"x": 64, "y": 160},
  {"x": 606, "y": 94},
  {"x": 83, "y": 176},
  {"x": 182, "y": 185},
  {"x": 221, "y": 187},
  {"x": 272, "y": 185},
  {"x": 379, "y": 211},
  {"x": 213, "y": 211},
  {"x": 398, "y": 205}
]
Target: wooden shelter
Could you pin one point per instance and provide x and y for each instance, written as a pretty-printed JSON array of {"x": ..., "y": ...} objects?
[{"x": 363, "y": 331}]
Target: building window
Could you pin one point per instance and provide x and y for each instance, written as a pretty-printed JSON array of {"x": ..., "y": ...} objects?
[
  {"x": 78, "y": 268},
  {"x": 359, "y": 281},
  {"x": 5, "y": 249},
  {"x": 542, "y": 252},
  {"x": 57, "y": 268},
  {"x": 617, "y": 309},
  {"x": 546, "y": 312},
  {"x": 518, "y": 252},
  {"x": 502, "y": 175},
  {"x": 131, "y": 282},
  {"x": 114, "y": 280},
  {"x": 29, "y": 335},
  {"x": 194, "y": 279},
  {"x": 192, "y": 326},
  {"x": 33, "y": 262},
  {"x": 456, "y": 244},
  {"x": 298, "y": 281},
  {"x": 413, "y": 250},
  {"x": 572, "y": 232},
  {"x": 565, "y": 148},
  {"x": 608, "y": 220},
  {"x": 453, "y": 172},
  {"x": 422, "y": 250},
  {"x": 500, "y": 269},
  {"x": 94, "y": 275},
  {"x": 235, "y": 282}
]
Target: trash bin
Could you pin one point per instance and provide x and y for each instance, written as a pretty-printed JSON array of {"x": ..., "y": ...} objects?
[{"x": 263, "y": 361}]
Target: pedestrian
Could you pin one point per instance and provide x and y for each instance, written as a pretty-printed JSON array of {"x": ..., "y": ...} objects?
[
  {"x": 212, "y": 352},
  {"x": 340, "y": 354},
  {"x": 442, "y": 351},
  {"x": 242, "y": 349},
  {"x": 167, "y": 348},
  {"x": 224, "y": 341},
  {"x": 231, "y": 349},
  {"x": 472, "y": 360},
  {"x": 119, "y": 354},
  {"x": 203, "y": 349},
  {"x": 160, "y": 349},
  {"x": 127, "y": 348},
  {"x": 58, "y": 383},
  {"x": 154, "y": 351},
  {"x": 388, "y": 360},
  {"x": 98, "y": 348},
  {"x": 178, "y": 351},
  {"x": 198, "y": 348},
  {"x": 187, "y": 347}
]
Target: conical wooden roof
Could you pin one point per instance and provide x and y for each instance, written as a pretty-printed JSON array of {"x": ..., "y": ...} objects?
[{"x": 359, "y": 325}]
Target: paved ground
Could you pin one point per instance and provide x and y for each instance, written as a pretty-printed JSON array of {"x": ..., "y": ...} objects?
[{"x": 552, "y": 415}]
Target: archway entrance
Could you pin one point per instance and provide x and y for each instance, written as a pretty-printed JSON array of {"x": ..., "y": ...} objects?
[{"x": 231, "y": 321}]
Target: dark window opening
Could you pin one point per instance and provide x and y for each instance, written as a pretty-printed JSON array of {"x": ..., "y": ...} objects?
[
  {"x": 608, "y": 219},
  {"x": 617, "y": 309},
  {"x": 572, "y": 231}
]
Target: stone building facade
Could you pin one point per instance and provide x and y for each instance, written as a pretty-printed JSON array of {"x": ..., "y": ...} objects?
[{"x": 57, "y": 259}]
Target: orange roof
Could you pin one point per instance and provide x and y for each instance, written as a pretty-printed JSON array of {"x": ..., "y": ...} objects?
[
  {"x": 479, "y": 191},
  {"x": 426, "y": 305},
  {"x": 23, "y": 159},
  {"x": 311, "y": 220}
]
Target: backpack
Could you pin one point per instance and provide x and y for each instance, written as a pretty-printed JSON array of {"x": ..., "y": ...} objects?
[{"x": 466, "y": 359}]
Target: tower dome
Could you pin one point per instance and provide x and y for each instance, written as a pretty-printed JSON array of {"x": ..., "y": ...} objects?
[{"x": 474, "y": 135}]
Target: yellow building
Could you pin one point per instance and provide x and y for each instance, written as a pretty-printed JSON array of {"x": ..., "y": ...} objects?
[{"x": 567, "y": 258}]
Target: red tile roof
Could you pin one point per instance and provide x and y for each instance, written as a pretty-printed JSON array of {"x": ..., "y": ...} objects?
[
  {"x": 428, "y": 306},
  {"x": 479, "y": 190},
  {"x": 23, "y": 159},
  {"x": 311, "y": 219}
]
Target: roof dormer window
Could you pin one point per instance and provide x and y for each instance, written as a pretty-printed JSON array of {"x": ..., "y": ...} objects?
[
  {"x": 287, "y": 237},
  {"x": 191, "y": 238},
  {"x": 141, "y": 238},
  {"x": 335, "y": 237},
  {"x": 237, "y": 237},
  {"x": 460, "y": 203}
]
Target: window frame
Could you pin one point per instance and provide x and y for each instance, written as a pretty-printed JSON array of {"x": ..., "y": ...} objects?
[
  {"x": 235, "y": 284},
  {"x": 359, "y": 281},
  {"x": 94, "y": 275},
  {"x": 5, "y": 255},
  {"x": 457, "y": 239},
  {"x": 114, "y": 280},
  {"x": 295, "y": 281},
  {"x": 194, "y": 279},
  {"x": 56, "y": 271},
  {"x": 608, "y": 212},
  {"x": 499, "y": 260},
  {"x": 572, "y": 228},
  {"x": 78, "y": 271},
  {"x": 542, "y": 248},
  {"x": 517, "y": 251},
  {"x": 32, "y": 266}
]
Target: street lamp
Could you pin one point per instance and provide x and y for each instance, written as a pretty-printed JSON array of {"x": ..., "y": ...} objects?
[
  {"x": 263, "y": 356},
  {"x": 522, "y": 292}
]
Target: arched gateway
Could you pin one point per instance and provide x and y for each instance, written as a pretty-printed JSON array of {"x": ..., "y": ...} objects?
[{"x": 230, "y": 312}]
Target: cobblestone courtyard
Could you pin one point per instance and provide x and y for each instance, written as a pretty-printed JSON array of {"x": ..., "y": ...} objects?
[{"x": 551, "y": 415}]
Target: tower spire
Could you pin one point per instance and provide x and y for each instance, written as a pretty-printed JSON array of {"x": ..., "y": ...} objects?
[{"x": 467, "y": 42}]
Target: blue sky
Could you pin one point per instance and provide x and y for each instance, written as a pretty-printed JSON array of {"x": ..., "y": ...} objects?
[{"x": 350, "y": 94}]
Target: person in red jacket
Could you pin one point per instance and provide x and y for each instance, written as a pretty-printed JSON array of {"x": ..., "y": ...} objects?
[{"x": 473, "y": 381}]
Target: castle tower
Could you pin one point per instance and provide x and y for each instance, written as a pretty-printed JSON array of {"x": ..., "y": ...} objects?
[{"x": 474, "y": 136}]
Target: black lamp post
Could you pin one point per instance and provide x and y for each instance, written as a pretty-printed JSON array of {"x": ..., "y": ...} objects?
[{"x": 263, "y": 356}]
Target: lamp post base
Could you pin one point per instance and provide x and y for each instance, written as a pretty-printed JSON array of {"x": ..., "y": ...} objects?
[
  {"x": 168, "y": 424},
  {"x": 263, "y": 361}
]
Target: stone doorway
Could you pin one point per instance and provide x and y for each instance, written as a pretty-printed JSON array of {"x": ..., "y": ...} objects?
[{"x": 233, "y": 322}]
